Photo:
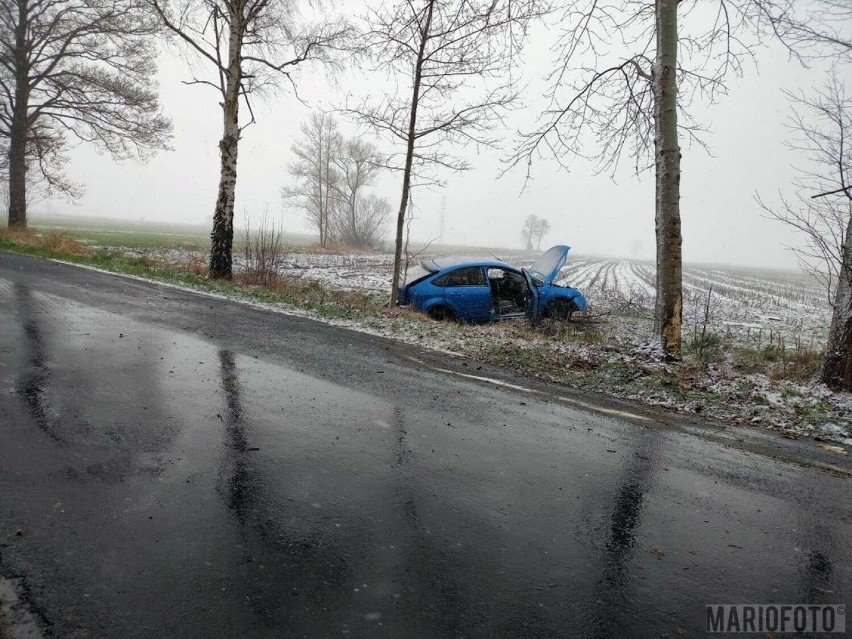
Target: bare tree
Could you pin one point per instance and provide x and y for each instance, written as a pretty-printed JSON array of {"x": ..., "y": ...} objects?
[
  {"x": 528, "y": 230},
  {"x": 541, "y": 230},
  {"x": 79, "y": 68},
  {"x": 534, "y": 230},
  {"x": 358, "y": 219},
  {"x": 331, "y": 174},
  {"x": 362, "y": 222},
  {"x": 821, "y": 209},
  {"x": 315, "y": 169},
  {"x": 634, "y": 102},
  {"x": 250, "y": 46},
  {"x": 815, "y": 29},
  {"x": 453, "y": 56}
]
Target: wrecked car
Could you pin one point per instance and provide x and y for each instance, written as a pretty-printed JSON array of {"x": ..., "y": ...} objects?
[{"x": 473, "y": 290}]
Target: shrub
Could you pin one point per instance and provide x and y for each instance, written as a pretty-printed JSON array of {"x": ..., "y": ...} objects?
[{"x": 263, "y": 251}]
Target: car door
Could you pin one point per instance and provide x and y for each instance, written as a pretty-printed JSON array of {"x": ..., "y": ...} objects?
[
  {"x": 509, "y": 292},
  {"x": 533, "y": 305},
  {"x": 467, "y": 292}
]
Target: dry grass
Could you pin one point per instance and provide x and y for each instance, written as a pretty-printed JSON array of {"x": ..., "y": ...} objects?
[
  {"x": 310, "y": 292},
  {"x": 778, "y": 363},
  {"x": 409, "y": 314},
  {"x": 307, "y": 293},
  {"x": 196, "y": 264},
  {"x": 53, "y": 241}
]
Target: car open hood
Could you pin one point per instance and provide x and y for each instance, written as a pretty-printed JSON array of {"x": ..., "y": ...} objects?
[{"x": 548, "y": 265}]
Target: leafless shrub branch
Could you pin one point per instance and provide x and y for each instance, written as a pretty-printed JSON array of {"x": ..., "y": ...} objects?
[{"x": 263, "y": 251}]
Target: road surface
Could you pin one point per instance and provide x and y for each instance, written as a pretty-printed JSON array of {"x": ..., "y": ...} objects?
[{"x": 174, "y": 465}]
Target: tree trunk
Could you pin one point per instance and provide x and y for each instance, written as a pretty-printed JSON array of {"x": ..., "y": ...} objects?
[
  {"x": 409, "y": 157},
  {"x": 837, "y": 365},
  {"x": 353, "y": 199},
  {"x": 669, "y": 305},
  {"x": 18, "y": 176},
  {"x": 19, "y": 129},
  {"x": 532, "y": 223},
  {"x": 222, "y": 236},
  {"x": 323, "y": 184}
]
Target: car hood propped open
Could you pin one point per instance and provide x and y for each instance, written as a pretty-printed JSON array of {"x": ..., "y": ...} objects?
[{"x": 547, "y": 267}]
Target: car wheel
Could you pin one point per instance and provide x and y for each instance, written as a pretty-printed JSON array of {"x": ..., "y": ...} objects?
[
  {"x": 441, "y": 313},
  {"x": 560, "y": 310}
]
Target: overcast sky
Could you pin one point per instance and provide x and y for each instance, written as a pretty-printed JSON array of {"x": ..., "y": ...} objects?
[{"x": 590, "y": 212}]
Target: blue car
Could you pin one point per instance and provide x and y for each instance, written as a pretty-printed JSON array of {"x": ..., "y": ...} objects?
[{"x": 487, "y": 290}]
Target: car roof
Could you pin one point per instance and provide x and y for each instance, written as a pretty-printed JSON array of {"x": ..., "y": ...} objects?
[{"x": 441, "y": 263}]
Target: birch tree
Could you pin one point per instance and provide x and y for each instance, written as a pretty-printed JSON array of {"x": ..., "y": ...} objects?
[
  {"x": 451, "y": 60},
  {"x": 247, "y": 46},
  {"x": 626, "y": 75},
  {"x": 78, "y": 69},
  {"x": 820, "y": 208}
]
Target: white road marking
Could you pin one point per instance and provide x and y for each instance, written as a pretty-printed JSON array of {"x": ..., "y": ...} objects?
[
  {"x": 491, "y": 380},
  {"x": 533, "y": 391},
  {"x": 601, "y": 409}
]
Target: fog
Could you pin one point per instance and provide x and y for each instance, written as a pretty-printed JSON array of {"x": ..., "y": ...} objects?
[{"x": 590, "y": 211}]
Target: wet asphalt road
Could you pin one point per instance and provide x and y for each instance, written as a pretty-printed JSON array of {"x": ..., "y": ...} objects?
[{"x": 181, "y": 466}]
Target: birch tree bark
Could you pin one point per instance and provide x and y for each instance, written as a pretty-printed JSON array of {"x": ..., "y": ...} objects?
[
  {"x": 837, "y": 366},
  {"x": 669, "y": 304},
  {"x": 18, "y": 129},
  {"x": 222, "y": 236}
]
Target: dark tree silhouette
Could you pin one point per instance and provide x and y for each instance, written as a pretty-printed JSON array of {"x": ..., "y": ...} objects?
[{"x": 74, "y": 68}]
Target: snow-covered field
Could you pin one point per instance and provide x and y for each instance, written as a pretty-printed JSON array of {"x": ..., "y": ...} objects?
[{"x": 750, "y": 305}]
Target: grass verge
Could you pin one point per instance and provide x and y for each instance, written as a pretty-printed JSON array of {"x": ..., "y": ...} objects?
[{"x": 304, "y": 294}]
